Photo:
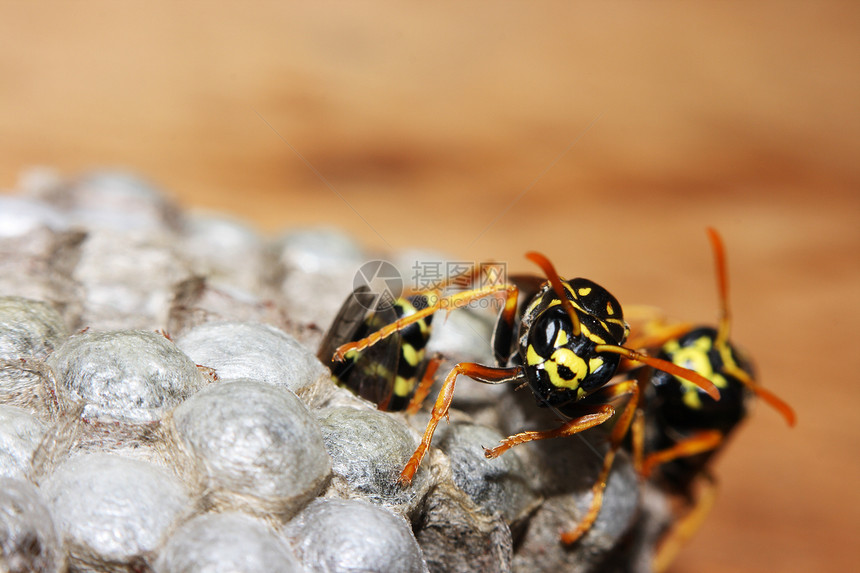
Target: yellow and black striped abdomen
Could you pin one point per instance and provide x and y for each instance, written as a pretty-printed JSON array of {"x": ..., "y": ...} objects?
[{"x": 413, "y": 341}]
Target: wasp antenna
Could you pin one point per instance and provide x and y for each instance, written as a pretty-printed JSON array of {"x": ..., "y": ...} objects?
[
  {"x": 722, "y": 285},
  {"x": 665, "y": 366},
  {"x": 778, "y": 404},
  {"x": 769, "y": 397},
  {"x": 557, "y": 286}
]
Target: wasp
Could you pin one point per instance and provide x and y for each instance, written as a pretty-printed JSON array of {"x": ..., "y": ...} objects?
[
  {"x": 679, "y": 427},
  {"x": 565, "y": 343}
]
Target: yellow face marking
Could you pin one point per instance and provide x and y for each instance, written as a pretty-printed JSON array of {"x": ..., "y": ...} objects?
[
  {"x": 728, "y": 360},
  {"x": 566, "y": 357},
  {"x": 692, "y": 400},
  {"x": 590, "y": 335},
  {"x": 584, "y": 291},
  {"x": 569, "y": 289},
  {"x": 532, "y": 357},
  {"x": 695, "y": 358},
  {"x": 556, "y": 302},
  {"x": 604, "y": 322},
  {"x": 561, "y": 339}
]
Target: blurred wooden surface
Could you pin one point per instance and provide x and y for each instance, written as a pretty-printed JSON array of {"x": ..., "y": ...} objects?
[{"x": 605, "y": 136}]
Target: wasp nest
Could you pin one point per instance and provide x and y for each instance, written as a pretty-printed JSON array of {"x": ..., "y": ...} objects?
[{"x": 162, "y": 409}]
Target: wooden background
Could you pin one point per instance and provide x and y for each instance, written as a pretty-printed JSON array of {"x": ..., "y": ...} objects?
[{"x": 607, "y": 136}]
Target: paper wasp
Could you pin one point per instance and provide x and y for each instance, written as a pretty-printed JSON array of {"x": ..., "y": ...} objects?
[
  {"x": 682, "y": 427},
  {"x": 564, "y": 342}
]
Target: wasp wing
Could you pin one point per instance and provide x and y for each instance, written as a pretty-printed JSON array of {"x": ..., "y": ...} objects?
[
  {"x": 346, "y": 325},
  {"x": 372, "y": 372}
]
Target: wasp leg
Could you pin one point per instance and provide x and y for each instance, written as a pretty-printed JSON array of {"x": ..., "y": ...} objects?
[
  {"x": 637, "y": 426},
  {"x": 698, "y": 443},
  {"x": 461, "y": 280},
  {"x": 637, "y": 435},
  {"x": 574, "y": 426},
  {"x": 631, "y": 388},
  {"x": 424, "y": 386},
  {"x": 443, "y": 403},
  {"x": 448, "y": 303},
  {"x": 681, "y": 532}
]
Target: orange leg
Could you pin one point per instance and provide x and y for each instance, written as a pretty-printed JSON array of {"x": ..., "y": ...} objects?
[
  {"x": 424, "y": 386},
  {"x": 681, "y": 532},
  {"x": 383, "y": 404},
  {"x": 448, "y": 303},
  {"x": 631, "y": 388},
  {"x": 637, "y": 433},
  {"x": 443, "y": 403},
  {"x": 637, "y": 427},
  {"x": 461, "y": 280},
  {"x": 569, "y": 428},
  {"x": 700, "y": 442}
]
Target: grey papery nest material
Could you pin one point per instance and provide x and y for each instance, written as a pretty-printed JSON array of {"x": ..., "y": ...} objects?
[{"x": 162, "y": 409}]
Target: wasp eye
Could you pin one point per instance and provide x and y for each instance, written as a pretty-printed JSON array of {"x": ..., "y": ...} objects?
[{"x": 546, "y": 328}]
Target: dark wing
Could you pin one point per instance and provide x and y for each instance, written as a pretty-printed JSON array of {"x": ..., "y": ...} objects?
[
  {"x": 346, "y": 325},
  {"x": 371, "y": 374},
  {"x": 529, "y": 286},
  {"x": 375, "y": 369}
]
